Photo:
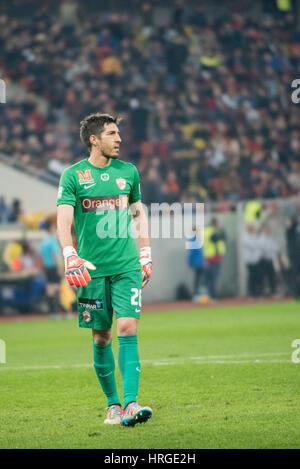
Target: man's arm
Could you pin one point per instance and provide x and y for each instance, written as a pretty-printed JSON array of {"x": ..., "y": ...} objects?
[
  {"x": 65, "y": 214},
  {"x": 140, "y": 224},
  {"x": 141, "y": 233},
  {"x": 75, "y": 268}
]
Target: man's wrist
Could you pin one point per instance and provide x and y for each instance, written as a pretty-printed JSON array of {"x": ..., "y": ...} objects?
[
  {"x": 145, "y": 255},
  {"x": 145, "y": 251},
  {"x": 69, "y": 251}
]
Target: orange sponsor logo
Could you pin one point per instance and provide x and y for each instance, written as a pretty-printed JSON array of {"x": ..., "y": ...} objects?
[{"x": 95, "y": 204}]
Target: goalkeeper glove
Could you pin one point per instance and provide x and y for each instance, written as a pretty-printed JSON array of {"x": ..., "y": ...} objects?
[
  {"x": 76, "y": 269},
  {"x": 146, "y": 263}
]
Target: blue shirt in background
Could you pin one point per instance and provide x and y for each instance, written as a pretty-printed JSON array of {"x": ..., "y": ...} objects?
[
  {"x": 195, "y": 253},
  {"x": 49, "y": 250}
]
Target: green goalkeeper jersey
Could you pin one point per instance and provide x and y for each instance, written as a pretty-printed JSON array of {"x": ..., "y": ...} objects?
[{"x": 101, "y": 198}]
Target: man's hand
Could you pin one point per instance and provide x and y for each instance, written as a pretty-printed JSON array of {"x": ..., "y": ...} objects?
[
  {"x": 76, "y": 269},
  {"x": 146, "y": 263}
]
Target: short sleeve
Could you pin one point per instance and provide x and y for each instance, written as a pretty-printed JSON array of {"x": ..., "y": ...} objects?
[
  {"x": 135, "y": 193},
  {"x": 67, "y": 189}
]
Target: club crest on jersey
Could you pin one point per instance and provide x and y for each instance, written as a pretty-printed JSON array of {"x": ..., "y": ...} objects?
[
  {"x": 121, "y": 183},
  {"x": 86, "y": 316},
  {"x": 85, "y": 176},
  {"x": 104, "y": 177}
]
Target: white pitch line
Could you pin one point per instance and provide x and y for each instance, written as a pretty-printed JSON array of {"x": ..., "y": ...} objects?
[
  {"x": 242, "y": 355},
  {"x": 44, "y": 367},
  {"x": 212, "y": 362},
  {"x": 198, "y": 360}
]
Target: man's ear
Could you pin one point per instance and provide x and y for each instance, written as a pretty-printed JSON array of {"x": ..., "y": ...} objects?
[{"x": 93, "y": 140}]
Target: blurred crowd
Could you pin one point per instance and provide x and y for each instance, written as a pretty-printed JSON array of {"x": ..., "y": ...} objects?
[
  {"x": 10, "y": 212},
  {"x": 32, "y": 275},
  {"x": 206, "y": 98},
  {"x": 267, "y": 252},
  {"x": 270, "y": 248}
]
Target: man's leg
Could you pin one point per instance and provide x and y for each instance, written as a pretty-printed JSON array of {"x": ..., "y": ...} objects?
[
  {"x": 216, "y": 271},
  {"x": 262, "y": 274},
  {"x": 126, "y": 292},
  {"x": 208, "y": 279},
  {"x": 257, "y": 278},
  {"x": 212, "y": 276},
  {"x": 129, "y": 362},
  {"x": 130, "y": 369},
  {"x": 251, "y": 280},
  {"x": 197, "y": 278},
  {"x": 104, "y": 364},
  {"x": 52, "y": 292},
  {"x": 95, "y": 312},
  {"x": 271, "y": 275}
]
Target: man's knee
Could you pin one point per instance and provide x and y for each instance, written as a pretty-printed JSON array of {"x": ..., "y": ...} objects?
[
  {"x": 127, "y": 326},
  {"x": 101, "y": 338}
]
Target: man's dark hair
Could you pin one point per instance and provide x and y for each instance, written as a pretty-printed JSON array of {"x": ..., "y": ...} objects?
[{"x": 94, "y": 125}]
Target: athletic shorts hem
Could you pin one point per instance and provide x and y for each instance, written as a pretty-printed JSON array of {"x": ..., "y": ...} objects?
[{"x": 128, "y": 315}]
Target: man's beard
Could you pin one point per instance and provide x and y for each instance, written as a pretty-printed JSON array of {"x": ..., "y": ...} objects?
[{"x": 110, "y": 156}]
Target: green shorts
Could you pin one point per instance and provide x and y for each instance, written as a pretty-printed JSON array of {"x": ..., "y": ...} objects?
[{"x": 104, "y": 295}]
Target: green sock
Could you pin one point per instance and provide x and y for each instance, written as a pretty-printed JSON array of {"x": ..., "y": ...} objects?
[
  {"x": 129, "y": 365},
  {"x": 104, "y": 364}
]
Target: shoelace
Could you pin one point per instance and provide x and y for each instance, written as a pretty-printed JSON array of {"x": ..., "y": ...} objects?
[
  {"x": 131, "y": 409},
  {"x": 114, "y": 411}
]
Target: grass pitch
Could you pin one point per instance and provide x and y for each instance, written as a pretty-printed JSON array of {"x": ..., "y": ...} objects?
[{"x": 215, "y": 378}]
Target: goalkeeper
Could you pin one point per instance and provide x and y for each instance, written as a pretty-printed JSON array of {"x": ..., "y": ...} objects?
[{"x": 101, "y": 195}]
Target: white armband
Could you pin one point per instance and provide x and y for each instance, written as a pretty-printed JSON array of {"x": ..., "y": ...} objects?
[
  {"x": 69, "y": 251},
  {"x": 145, "y": 255}
]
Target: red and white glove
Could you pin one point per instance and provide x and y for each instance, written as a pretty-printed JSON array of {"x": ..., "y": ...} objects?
[
  {"x": 76, "y": 269},
  {"x": 146, "y": 263}
]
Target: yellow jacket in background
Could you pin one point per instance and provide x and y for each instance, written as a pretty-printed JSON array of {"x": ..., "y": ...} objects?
[
  {"x": 213, "y": 250},
  {"x": 252, "y": 211}
]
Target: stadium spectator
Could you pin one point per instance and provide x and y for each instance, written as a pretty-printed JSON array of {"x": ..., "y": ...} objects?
[
  {"x": 10, "y": 213},
  {"x": 269, "y": 256},
  {"x": 50, "y": 253},
  {"x": 195, "y": 258},
  {"x": 15, "y": 211},
  {"x": 13, "y": 250},
  {"x": 4, "y": 211},
  {"x": 251, "y": 256},
  {"x": 26, "y": 261},
  {"x": 214, "y": 252},
  {"x": 291, "y": 214},
  {"x": 22, "y": 278}
]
